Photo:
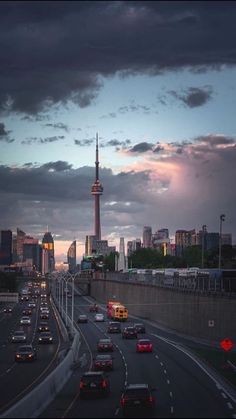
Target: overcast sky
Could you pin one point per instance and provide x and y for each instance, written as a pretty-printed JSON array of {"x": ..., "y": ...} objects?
[{"x": 156, "y": 80}]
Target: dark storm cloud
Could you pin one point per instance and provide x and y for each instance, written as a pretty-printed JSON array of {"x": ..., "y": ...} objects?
[
  {"x": 58, "y": 195},
  {"x": 141, "y": 147},
  {"x": 194, "y": 96},
  {"x": 55, "y": 52},
  {"x": 4, "y": 134},
  {"x": 116, "y": 143},
  {"x": 83, "y": 143},
  {"x": 58, "y": 166},
  {"x": 39, "y": 140},
  {"x": 58, "y": 125}
]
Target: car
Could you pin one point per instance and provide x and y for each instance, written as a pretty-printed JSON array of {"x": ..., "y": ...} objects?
[
  {"x": 82, "y": 318},
  {"x": 31, "y": 304},
  {"x": 27, "y": 312},
  {"x": 93, "y": 308},
  {"x": 44, "y": 316},
  {"x": 25, "y": 320},
  {"x": 129, "y": 333},
  {"x": 18, "y": 336},
  {"x": 43, "y": 327},
  {"x": 94, "y": 383},
  {"x": 105, "y": 345},
  {"x": 140, "y": 328},
  {"x": 114, "y": 327},
  {"x": 7, "y": 310},
  {"x": 25, "y": 353},
  {"x": 103, "y": 362},
  {"x": 144, "y": 345},
  {"x": 24, "y": 298},
  {"x": 45, "y": 337},
  {"x": 99, "y": 317},
  {"x": 44, "y": 310},
  {"x": 136, "y": 399},
  {"x": 43, "y": 295},
  {"x": 43, "y": 307}
]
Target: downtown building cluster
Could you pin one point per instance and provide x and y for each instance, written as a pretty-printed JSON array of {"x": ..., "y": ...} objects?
[
  {"x": 161, "y": 241},
  {"x": 22, "y": 252}
]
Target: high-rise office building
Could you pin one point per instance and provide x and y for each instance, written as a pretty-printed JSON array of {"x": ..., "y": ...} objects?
[
  {"x": 31, "y": 252},
  {"x": 20, "y": 236},
  {"x": 48, "y": 260},
  {"x": 90, "y": 245},
  {"x": 183, "y": 239},
  {"x": 71, "y": 256},
  {"x": 6, "y": 247},
  {"x": 147, "y": 236},
  {"x": 96, "y": 191}
]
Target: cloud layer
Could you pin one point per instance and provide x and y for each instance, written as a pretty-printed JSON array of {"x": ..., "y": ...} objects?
[
  {"x": 55, "y": 53},
  {"x": 183, "y": 185}
]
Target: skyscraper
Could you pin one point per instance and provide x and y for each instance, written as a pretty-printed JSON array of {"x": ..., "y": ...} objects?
[
  {"x": 48, "y": 253},
  {"x": 147, "y": 236},
  {"x": 6, "y": 247},
  {"x": 97, "y": 190},
  {"x": 71, "y": 256}
]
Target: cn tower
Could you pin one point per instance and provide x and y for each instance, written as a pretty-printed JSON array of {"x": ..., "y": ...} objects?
[{"x": 97, "y": 190}]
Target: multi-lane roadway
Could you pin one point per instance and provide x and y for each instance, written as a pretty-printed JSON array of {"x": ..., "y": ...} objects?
[
  {"x": 183, "y": 386},
  {"x": 18, "y": 379}
]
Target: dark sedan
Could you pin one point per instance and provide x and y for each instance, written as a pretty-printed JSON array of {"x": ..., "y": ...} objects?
[
  {"x": 129, "y": 333},
  {"x": 103, "y": 362},
  {"x": 105, "y": 345},
  {"x": 45, "y": 337},
  {"x": 25, "y": 353}
]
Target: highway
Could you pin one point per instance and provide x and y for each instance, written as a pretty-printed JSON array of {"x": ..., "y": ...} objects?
[
  {"x": 17, "y": 379},
  {"x": 183, "y": 388}
]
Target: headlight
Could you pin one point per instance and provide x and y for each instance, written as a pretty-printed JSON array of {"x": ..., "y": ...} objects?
[
  {"x": 40, "y": 338},
  {"x": 50, "y": 338}
]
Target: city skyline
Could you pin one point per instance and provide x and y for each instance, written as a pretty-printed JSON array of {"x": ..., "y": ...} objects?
[{"x": 162, "y": 100}]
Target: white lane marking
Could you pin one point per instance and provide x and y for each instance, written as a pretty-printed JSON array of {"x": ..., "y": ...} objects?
[
  {"x": 218, "y": 386},
  {"x": 157, "y": 357},
  {"x": 168, "y": 381},
  {"x": 171, "y": 394},
  {"x": 229, "y": 405},
  {"x": 165, "y": 372},
  {"x": 234, "y": 415},
  {"x": 223, "y": 395},
  {"x": 161, "y": 364},
  {"x": 172, "y": 409},
  {"x": 196, "y": 362},
  {"x": 117, "y": 411}
]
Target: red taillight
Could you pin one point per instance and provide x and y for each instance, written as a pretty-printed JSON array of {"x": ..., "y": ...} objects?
[
  {"x": 151, "y": 399},
  {"x": 81, "y": 385},
  {"x": 104, "y": 384},
  {"x": 122, "y": 401}
]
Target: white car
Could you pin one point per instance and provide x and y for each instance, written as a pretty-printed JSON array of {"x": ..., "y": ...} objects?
[
  {"x": 18, "y": 336},
  {"x": 99, "y": 317},
  {"x": 25, "y": 320}
]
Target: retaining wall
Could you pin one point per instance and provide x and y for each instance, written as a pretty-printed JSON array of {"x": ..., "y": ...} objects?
[{"x": 185, "y": 312}]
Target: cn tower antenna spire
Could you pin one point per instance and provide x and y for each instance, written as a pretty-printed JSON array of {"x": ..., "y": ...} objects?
[
  {"x": 96, "y": 191},
  {"x": 97, "y": 161}
]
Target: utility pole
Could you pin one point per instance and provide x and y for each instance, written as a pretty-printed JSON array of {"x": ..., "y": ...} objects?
[
  {"x": 222, "y": 218},
  {"x": 203, "y": 243}
]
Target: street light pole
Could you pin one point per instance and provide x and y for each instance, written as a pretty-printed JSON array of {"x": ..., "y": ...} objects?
[
  {"x": 222, "y": 218},
  {"x": 203, "y": 243}
]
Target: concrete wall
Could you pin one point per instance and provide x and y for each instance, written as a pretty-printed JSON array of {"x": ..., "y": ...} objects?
[{"x": 184, "y": 312}]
